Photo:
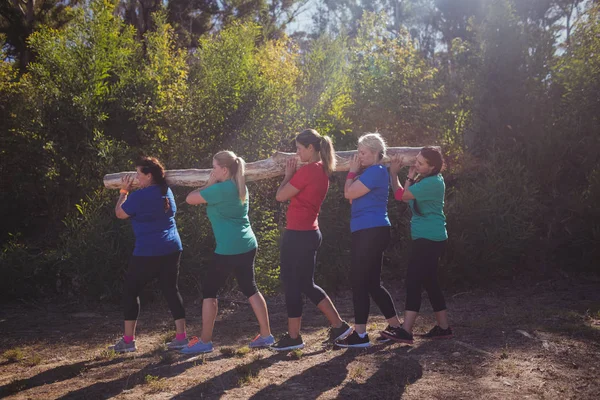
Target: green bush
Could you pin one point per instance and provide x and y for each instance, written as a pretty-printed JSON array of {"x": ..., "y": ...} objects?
[{"x": 492, "y": 211}]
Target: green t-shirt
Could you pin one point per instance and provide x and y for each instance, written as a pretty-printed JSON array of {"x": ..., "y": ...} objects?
[
  {"x": 429, "y": 195},
  {"x": 229, "y": 219}
]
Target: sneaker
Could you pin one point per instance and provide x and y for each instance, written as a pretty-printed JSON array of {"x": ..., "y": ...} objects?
[
  {"x": 340, "y": 333},
  {"x": 260, "y": 341},
  {"x": 178, "y": 344},
  {"x": 286, "y": 343},
  {"x": 354, "y": 340},
  {"x": 438, "y": 333},
  {"x": 383, "y": 339},
  {"x": 398, "y": 335},
  {"x": 122, "y": 347},
  {"x": 197, "y": 346}
]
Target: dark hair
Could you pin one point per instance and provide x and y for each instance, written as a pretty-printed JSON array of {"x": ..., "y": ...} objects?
[
  {"x": 435, "y": 159},
  {"x": 322, "y": 144},
  {"x": 151, "y": 165}
]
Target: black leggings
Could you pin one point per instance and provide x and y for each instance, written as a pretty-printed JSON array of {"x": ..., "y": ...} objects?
[
  {"x": 422, "y": 274},
  {"x": 367, "y": 258},
  {"x": 215, "y": 276},
  {"x": 298, "y": 261},
  {"x": 142, "y": 270}
]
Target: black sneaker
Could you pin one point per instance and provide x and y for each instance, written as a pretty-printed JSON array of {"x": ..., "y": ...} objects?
[
  {"x": 340, "y": 333},
  {"x": 398, "y": 335},
  {"x": 383, "y": 339},
  {"x": 438, "y": 333},
  {"x": 354, "y": 340},
  {"x": 286, "y": 343}
]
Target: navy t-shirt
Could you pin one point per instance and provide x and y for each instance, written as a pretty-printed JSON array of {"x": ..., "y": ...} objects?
[
  {"x": 370, "y": 210},
  {"x": 154, "y": 227}
]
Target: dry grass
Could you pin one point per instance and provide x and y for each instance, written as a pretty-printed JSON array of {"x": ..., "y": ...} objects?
[
  {"x": 155, "y": 384},
  {"x": 539, "y": 344},
  {"x": 14, "y": 355},
  {"x": 246, "y": 374}
]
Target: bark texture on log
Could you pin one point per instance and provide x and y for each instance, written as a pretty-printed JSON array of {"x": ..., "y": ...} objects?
[{"x": 263, "y": 169}]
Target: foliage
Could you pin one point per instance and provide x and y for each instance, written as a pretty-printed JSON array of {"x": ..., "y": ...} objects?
[{"x": 507, "y": 90}]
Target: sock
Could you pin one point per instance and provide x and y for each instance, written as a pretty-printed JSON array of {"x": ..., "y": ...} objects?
[
  {"x": 362, "y": 335},
  {"x": 128, "y": 339},
  {"x": 180, "y": 336}
]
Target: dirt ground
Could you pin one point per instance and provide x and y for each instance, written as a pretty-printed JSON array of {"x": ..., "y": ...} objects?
[{"x": 541, "y": 342}]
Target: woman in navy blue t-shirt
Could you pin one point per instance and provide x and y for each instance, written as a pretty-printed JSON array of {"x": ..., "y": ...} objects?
[
  {"x": 367, "y": 187},
  {"x": 157, "y": 251}
]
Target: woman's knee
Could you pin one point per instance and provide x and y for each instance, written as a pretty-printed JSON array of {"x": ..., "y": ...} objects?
[
  {"x": 315, "y": 294},
  {"x": 249, "y": 289}
]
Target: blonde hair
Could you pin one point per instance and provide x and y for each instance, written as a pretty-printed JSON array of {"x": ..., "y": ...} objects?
[
  {"x": 237, "y": 168},
  {"x": 322, "y": 144},
  {"x": 374, "y": 142}
]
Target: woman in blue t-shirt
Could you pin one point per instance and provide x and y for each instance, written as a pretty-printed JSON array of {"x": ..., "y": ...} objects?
[
  {"x": 157, "y": 252},
  {"x": 370, "y": 228},
  {"x": 424, "y": 191}
]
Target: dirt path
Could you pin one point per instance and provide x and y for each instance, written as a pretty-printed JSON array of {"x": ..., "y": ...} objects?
[{"x": 539, "y": 343}]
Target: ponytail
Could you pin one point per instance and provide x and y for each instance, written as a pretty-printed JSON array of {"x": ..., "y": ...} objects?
[
  {"x": 237, "y": 169},
  {"x": 327, "y": 155},
  {"x": 240, "y": 179}
]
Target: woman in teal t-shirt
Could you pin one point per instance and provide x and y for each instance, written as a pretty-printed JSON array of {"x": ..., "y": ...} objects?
[
  {"x": 226, "y": 195},
  {"x": 424, "y": 191}
]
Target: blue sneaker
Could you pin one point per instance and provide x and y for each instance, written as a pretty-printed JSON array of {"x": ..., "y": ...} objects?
[
  {"x": 196, "y": 346},
  {"x": 260, "y": 341}
]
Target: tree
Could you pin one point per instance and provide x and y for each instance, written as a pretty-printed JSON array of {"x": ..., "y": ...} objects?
[{"x": 20, "y": 18}]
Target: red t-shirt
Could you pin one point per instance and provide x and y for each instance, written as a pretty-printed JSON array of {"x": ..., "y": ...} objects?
[{"x": 303, "y": 211}]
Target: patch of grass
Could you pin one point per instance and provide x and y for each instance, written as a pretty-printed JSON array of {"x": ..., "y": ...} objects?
[
  {"x": 227, "y": 351},
  {"x": 32, "y": 361},
  {"x": 167, "y": 357},
  {"x": 357, "y": 373},
  {"x": 242, "y": 351},
  {"x": 376, "y": 326},
  {"x": 167, "y": 336},
  {"x": 296, "y": 354},
  {"x": 507, "y": 369},
  {"x": 200, "y": 361},
  {"x": 232, "y": 351},
  {"x": 155, "y": 383},
  {"x": 14, "y": 355},
  {"x": 106, "y": 354},
  {"x": 246, "y": 373},
  {"x": 159, "y": 350},
  {"x": 257, "y": 357}
]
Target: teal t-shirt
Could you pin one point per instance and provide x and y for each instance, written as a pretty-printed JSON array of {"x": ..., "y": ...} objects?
[
  {"x": 229, "y": 219},
  {"x": 429, "y": 195}
]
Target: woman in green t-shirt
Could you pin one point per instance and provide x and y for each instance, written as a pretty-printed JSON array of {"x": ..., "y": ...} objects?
[
  {"x": 226, "y": 195},
  {"x": 424, "y": 191}
]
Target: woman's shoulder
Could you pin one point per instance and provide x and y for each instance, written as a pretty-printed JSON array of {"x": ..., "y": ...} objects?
[
  {"x": 434, "y": 179},
  {"x": 378, "y": 169},
  {"x": 312, "y": 167},
  {"x": 148, "y": 191}
]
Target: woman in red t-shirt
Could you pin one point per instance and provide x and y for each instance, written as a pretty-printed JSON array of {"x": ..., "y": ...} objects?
[{"x": 306, "y": 189}]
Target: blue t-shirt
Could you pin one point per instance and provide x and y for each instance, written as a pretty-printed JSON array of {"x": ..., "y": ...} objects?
[
  {"x": 154, "y": 227},
  {"x": 370, "y": 210},
  {"x": 431, "y": 222}
]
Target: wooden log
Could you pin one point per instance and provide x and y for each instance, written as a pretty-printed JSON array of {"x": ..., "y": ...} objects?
[{"x": 263, "y": 169}]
